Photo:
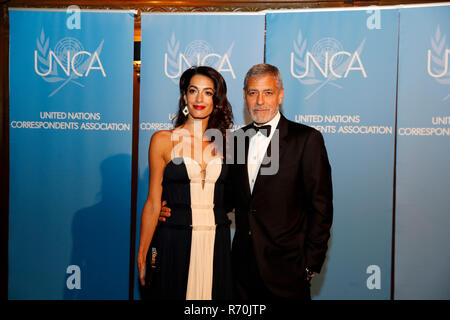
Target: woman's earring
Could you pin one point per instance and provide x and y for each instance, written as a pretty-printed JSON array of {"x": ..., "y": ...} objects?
[{"x": 185, "y": 110}]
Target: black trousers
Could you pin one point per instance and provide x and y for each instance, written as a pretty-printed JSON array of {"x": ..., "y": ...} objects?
[{"x": 248, "y": 284}]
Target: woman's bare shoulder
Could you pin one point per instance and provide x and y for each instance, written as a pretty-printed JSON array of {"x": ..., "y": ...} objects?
[
  {"x": 161, "y": 136},
  {"x": 161, "y": 140},
  {"x": 161, "y": 144}
]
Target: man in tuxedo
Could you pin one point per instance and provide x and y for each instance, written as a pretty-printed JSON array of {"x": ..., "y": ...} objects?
[
  {"x": 283, "y": 216},
  {"x": 282, "y": 195}
]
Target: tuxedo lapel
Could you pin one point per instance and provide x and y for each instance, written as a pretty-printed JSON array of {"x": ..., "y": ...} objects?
[
  {"x": 283, "y": 134},
  {"x": 243, "y": 170},
  {"x": 282, "y": 128}
]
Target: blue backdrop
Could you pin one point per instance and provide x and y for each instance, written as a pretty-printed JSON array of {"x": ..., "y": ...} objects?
[
  {"x": 339, "y": 72},
  {"x": 422, "y": 258},
  {"x": 70, "y": 154}
]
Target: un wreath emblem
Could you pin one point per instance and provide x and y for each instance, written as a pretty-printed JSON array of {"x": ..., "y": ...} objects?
[{"x": 70, "y": 56}]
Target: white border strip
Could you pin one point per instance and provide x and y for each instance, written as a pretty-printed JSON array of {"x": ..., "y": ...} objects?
[
  {"x": 65, "y": 10},
  {"x": 331, "y": 9},
  {"x": 424, "y": 5},
  {"x": 400, "y": 6},
  {"x": 259, "y": 13}
]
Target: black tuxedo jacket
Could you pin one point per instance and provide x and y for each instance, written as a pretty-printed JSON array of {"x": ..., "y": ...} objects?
[{"x": 285, "y": 223}]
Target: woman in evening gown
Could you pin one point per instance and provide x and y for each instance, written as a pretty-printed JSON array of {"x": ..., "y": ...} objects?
[{"x": 188, "y": 170}]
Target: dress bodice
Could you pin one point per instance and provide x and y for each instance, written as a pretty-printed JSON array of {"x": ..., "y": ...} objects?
[{"x": 182, "y": 188}]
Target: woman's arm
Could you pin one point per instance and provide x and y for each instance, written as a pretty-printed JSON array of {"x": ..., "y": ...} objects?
[{"x": 152, "y": 207}]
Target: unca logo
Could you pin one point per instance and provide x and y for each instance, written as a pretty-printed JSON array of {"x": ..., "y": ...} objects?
[
  {"x": 196, "y": 53},
  {"x": 328, "y": 57},
  {"x": 68, "y": 56},
  {"x": 437, "y": 62}
]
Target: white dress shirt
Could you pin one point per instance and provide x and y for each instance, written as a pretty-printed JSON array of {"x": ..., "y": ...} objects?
[{"x": 257, "y": 149}]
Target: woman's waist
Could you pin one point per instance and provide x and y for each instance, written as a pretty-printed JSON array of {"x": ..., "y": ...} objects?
[
  {"x": 198, "y": 205},
  {"x": 183, "y": 226}
]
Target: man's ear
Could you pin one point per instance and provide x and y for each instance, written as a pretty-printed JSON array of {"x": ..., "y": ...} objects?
[{"x": 281, "y": 96}]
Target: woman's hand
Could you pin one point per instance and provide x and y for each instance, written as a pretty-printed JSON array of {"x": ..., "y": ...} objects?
[{"x": 165, "y": 212}]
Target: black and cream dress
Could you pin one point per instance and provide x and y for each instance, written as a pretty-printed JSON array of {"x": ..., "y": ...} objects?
[{"x": 193, "y": 245}]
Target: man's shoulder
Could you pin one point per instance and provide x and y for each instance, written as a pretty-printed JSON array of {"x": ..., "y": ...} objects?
[{"x": 300, "y": 128}]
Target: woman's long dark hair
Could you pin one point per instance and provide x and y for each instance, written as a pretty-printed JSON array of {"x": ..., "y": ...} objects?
[{"x": 222, "y": 116}]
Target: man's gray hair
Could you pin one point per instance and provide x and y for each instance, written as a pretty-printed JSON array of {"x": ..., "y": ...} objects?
[{"x": 262, "y": 69}]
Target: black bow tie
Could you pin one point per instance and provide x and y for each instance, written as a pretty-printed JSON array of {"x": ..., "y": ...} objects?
[{"x": 265, "y": 130}]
